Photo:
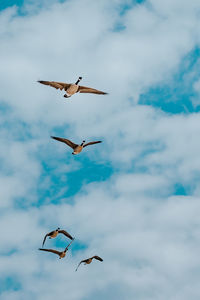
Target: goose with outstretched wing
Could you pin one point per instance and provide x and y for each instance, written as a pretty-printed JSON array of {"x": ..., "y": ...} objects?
[
  {"x": 54, "y": 233},
  {"x": 61, "y": 254},
  {"x": 89, "y": 260},
  {"x": 72, "y": 88},
  {"x": 76, "y": 147}
]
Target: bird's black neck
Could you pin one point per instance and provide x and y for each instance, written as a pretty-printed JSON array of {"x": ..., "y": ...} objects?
[{"x": 78, "y": 80}]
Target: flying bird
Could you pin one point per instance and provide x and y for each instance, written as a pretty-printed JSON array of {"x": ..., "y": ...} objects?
[
  {"x": 54, "y": 234},
  {"x": 77, "y": 148},
  {"x": 61, "y": 254},
  {"x": 89, "y": 260},
  {"x": 72, "y": 88}
]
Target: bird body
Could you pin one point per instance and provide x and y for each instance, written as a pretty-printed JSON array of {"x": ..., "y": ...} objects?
[
  {"x": 89, "y": 260},
  {"x": 54, "y": 233},
  {"x": 76, "y": 148},
  {"x": 62, "y": 254},
  {"x": 71, "y": 88}
]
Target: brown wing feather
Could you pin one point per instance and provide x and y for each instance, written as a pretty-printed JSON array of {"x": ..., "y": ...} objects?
[
  {"x": 50, "y": 250},
  {"x": 66, "y": 234},
  {"x": 91, "y": 143},
  {"x": 55, "y": 84},
  {"x": 85, "y": 89},
  {"x": 45, "y": 239},
  {"x": 66, "y": 141},
  {"x": 80, "y": 263},
  {"x": 97, "y": 257}
]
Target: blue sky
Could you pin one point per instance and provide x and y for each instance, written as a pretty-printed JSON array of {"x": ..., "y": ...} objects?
[
  {"x": 178, "y": 92},
  {"x": 8, "y": 3},
  {"x": 134, "y": 199}
]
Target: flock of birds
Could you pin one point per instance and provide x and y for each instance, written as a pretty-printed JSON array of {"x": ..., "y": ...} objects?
[{"x": 70, "y": 89}]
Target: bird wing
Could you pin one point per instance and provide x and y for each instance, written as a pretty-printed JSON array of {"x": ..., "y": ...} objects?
[
  {"x": 66, "y": 141},
  {"x": 45, "y": 239},
  {"x": 50, "y": 250},
  {"x": 85, "y": 89},
  {"x": 97, "y": 257},
  {"x": 66, "y": 234},
  {"x": 92, "y": 143},
  {"x": 80, "y": 263},
  {"x": 56, "y": 85}
]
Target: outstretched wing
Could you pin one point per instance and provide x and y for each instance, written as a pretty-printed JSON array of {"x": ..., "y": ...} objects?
[
  {"x": 50, "y": 250},
  {"x": 79, "y": 264},
  {"x": 45, "y": 239},
  {"x": 85, "y": 89},
  {"x": 56, "y": 85},
  {"x": 66, "y": 234},
  {"x": 66, "y": 141},
  {"x": 98, "y": 258},
  {"x": 92, "y": 143}
]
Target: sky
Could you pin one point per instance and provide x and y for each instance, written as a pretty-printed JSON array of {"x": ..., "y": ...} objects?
[{"x": 133, "y": 199}]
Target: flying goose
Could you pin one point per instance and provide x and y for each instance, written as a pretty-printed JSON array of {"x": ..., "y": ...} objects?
[
  {"x": 77, "y": 148},
  {"x": 89, "y": 260},
  {"x": 60, "y": 253},
  {"x": 72, "y": 88},
  {"x": 54, "y": 234}
]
